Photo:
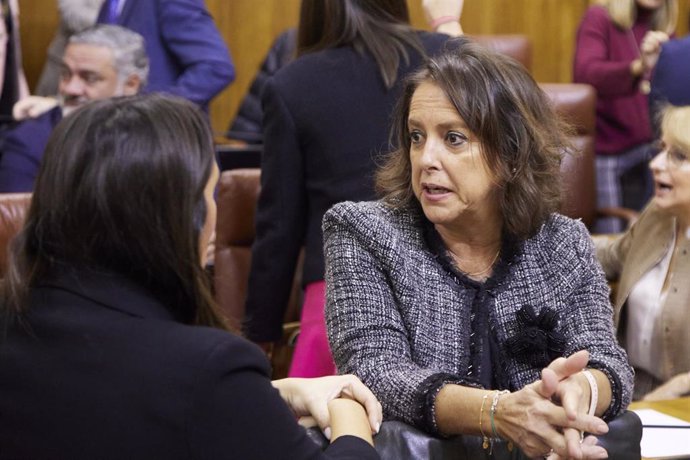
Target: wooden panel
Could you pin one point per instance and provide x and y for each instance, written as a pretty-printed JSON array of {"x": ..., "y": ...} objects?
[
  {"x": 549, "y": 24},
  {"x": 683, "y": 18},
  {"x": 249, "y": 31},
  {"x": 250, "y": 26},
  {"x": 38, "y": 21}
]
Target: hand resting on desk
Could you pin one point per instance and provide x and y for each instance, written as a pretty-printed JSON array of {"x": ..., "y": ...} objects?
[
  {"x": 675, "y": 388},
  {"x": 311, "y": 397}
]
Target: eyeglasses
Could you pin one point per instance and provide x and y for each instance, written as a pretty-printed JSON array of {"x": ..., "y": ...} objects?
[{"x": 676, "y": 156}]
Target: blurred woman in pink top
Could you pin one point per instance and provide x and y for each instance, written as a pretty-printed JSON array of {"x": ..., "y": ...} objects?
[{"x": 609, "y": 56}]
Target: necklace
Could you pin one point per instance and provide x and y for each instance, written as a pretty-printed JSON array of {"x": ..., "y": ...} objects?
[{"x": 485, "y": 269}]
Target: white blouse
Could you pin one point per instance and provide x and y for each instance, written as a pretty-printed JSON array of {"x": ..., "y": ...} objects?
[{"x": 644, "y": 305}]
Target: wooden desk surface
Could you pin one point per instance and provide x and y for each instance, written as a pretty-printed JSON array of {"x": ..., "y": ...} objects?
[{"x": 679, "y": 408}]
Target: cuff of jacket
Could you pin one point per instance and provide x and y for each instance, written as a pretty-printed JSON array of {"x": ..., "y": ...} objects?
[
  {"x": 428, "y": 391},
  {"x": 619, "y": 400}
]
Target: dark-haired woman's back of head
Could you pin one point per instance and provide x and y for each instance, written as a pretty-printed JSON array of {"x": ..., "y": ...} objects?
[
  {"x": 121, "y": 190},
  {"x": 379, "y": 27}
]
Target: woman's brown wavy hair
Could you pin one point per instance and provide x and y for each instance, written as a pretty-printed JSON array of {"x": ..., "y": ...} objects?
[{"x": 522, "y": 138}]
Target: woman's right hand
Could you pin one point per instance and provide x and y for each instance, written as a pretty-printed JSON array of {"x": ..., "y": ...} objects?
[
  {"x": 673, "y": 388},
  {"x": 311, "y": 397},
  {"x": 539, "y": 426}
]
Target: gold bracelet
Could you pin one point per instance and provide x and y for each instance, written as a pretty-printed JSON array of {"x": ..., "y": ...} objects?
[{"x": 485, "y": 440}]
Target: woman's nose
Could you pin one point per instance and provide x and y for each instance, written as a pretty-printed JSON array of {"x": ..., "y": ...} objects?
[
  {"x": 659, "y": 162},
  {"x": 430, "y": 154}
]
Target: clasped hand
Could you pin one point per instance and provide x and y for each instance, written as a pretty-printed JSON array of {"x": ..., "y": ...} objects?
[
  {"x": 651, "y": 48},
  {"x": 546, "y": 417},
  {"x": 310, "y": 397}
]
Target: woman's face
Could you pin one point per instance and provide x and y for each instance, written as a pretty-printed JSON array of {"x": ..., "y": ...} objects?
[
  {"x": 671, "y": 170},
  {"x": 450, "y": 178},
  {"x": 650, "y": 4},
  {"x": 207, "y": 231}
]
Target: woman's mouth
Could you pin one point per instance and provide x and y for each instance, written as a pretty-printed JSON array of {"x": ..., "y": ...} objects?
[
  {"x": 663, "y": 187},
  {"x": 432, "y": 189},
  {"x": 434, "y": 193}
]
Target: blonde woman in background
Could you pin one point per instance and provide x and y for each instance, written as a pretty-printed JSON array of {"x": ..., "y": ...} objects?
[
  {"x": 651, "y": 262},
  {"x": 609, "y": 55}
]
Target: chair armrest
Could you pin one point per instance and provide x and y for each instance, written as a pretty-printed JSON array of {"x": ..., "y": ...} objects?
[
  {"x": 622, "y": 442},
  {"x": 398, "y": 440}
]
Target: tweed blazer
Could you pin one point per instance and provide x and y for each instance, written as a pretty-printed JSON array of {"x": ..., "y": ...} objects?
[
  {"x": 628, "y": 256},
  {"x": 401, "y": 322}
]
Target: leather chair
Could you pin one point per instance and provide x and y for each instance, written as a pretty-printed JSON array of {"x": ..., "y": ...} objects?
[
  {"x": 576, "y": 103},
  {"x": 238, "y": 193},
  {"x": 13, "y": 208},
  {"x": 516, "y": 46}
]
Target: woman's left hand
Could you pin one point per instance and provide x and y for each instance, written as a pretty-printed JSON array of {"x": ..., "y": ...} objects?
[
  {"x": 310, "y": 397},
  {"x": 589, "y": 445},
  {"x": 651, "y": 48},
  {"x": 563, "y": 382}
]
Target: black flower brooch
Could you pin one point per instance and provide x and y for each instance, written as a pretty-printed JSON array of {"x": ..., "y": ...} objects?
[{"x": 536, "y": 342}]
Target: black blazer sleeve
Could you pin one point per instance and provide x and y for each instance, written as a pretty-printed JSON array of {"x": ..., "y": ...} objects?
[{"x": 236, "y": 413}]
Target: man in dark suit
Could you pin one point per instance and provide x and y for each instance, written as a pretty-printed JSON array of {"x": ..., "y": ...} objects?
[
  {"x": 188, "y": 56},
  {"x": 102, "y": 62}
]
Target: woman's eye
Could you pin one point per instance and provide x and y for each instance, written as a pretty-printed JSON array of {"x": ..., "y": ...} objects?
[
  {"x": 456, "y": 139},
  {"x": 415, "y": 137},
  {"x": 677, "y": 156}
]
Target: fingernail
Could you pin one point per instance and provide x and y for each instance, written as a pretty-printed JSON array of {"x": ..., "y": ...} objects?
[
  {"x": 602, "y": 428},
  {"x": 378, "y": 427},
  {"x": 327, "y": 433}
]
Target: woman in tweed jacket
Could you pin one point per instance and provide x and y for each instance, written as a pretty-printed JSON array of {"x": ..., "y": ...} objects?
[{"x": 463, "y": 280}]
